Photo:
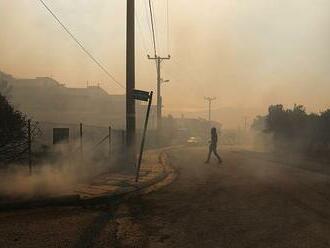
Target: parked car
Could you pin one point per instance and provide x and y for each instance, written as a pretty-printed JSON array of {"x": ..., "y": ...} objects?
[{"x": 193, "y": 141}]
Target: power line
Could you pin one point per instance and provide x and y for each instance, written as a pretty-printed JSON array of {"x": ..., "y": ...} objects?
[
  {"x": 157, "y": 25},
  {"x": 81, "y": 45},
  {"x": 168, "y": 26},
  {"x": 144, "y": 19},
  {"x": 147, "y": 19},
  {"x": 141, "y": 34},
  {"x": 153, "y": 28}
]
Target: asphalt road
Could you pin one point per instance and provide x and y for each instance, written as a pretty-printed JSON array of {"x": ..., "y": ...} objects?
[{"x": 248, "y": 201}]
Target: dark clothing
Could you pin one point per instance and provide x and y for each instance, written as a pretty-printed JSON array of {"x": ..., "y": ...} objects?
[
  {"x": 214, "y": 139},
  {"x": 213, "y": 147}
]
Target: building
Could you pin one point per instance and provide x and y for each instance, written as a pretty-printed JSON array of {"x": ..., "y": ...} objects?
[{"x": 46, "y": 100}]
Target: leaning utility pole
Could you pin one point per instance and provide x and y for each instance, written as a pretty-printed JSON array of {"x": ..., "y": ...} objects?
[
  {"x": 159, "y": 80},
  {"x": 210, "y": 99},
  {"x": 130, "y": 77}
]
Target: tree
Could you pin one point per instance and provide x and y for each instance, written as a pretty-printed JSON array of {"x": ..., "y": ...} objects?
[
  {"x": 5, "y": 88},
  {"x": 298, "y": 130},
  {"x": 325, "y": 126},
  {"x": 13, "y": 131},
  {"x": 277, "y": 121}
]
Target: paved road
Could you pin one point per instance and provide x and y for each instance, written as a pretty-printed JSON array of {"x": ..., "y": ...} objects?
[{"x": 247, "y": 201}]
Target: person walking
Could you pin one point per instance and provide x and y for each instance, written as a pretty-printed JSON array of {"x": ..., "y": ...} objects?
[{"x": 213, "y": 146}]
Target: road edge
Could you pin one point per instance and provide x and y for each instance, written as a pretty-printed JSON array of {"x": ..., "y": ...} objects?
[{"x": 166, "y": 177}]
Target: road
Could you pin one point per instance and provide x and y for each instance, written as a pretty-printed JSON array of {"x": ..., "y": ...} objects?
[{"x": 248, "y": 201}]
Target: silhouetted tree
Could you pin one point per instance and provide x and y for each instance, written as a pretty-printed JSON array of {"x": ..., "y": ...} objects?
[
  {"x": 297, "y": 129},
  {"x": 325, "y": 126},
  {"x": 13, "y": 131},
  {"x": 5, "y": 88}
]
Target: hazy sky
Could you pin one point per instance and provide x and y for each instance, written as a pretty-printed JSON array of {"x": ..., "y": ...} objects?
[{"x": 247, "y": 53}]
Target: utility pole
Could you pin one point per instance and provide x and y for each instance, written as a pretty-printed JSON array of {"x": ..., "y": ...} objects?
[
  {"x": 245, "y": 122},
  {"x": 130, "y": 79},
  {"x": 159, "y": 60},
  {"x": 210, "y": 100},
  {"x": 162, "y": 81}
]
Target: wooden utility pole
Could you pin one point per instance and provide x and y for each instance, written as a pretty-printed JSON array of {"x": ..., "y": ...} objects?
[
  {"x": 159, "y": 96},
  {"x": 130, "y": 79},
  {"x": 210, "y": 99}
]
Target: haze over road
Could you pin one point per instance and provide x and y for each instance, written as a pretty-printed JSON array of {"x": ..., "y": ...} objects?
[{"x": 248, "y": 201}]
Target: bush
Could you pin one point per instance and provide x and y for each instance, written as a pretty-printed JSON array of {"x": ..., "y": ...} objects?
[{"x": 295, "y": 129}]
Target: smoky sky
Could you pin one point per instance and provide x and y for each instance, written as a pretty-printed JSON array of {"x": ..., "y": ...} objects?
[{"x": 248, "y": 54}]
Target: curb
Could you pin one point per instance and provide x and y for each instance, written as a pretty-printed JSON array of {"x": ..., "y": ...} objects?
[
  {"x": 167, "y": 170},
  {"x": 76, "y": 200}
]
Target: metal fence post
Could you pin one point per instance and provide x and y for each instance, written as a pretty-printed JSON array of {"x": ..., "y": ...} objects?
[
  {"x": 81, "y": 140},
  {"x": 110, "y": 140},
  {"x": 30, "y": 147},
  {"x": 123, "y": 137}
]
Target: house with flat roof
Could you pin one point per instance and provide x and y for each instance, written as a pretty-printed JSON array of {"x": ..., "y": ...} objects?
[{"x": 45, "y": 99}]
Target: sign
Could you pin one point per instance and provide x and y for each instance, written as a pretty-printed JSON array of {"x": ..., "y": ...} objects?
[
  {"x": 144, "y": 136},
  {"x": 141, "y": 95},
  {"x": 61, "y": 135}
]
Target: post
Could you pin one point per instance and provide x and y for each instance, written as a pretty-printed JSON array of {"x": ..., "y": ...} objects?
[
  {"x": 210, "y": 99},
  {"x": 209, "y": 111},
  {"x": 81, "y": 140},
  {"x": 123, "y": 137},
  {"x": 130, "y": 80},
  {"x": 159, "y": 104},
  {"x": 245, "y": 123},
  {"x": 159, "y": 96},
  {"x": 110, "y": 140},
  {"x": 143, "y": 138},
  {"x": 30, "y": 147}
]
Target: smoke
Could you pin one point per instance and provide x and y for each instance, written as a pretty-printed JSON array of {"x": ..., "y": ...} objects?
[
  {"x": 62, "y": 176},
  {"x": 246, "y": 53}
]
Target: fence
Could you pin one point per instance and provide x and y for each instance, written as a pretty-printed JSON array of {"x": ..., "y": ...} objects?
[
  {"x": 37, "y": 145},
  {"x": 16, "y": 147},
  {"x": 98, "y": 143}
]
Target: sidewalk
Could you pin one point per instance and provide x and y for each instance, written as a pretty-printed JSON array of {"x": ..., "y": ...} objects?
[
  {"x": 154, "y": 169},
  {"x": 105, "y": 187}
]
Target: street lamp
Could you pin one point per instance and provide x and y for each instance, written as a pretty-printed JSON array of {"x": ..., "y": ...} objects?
[{"x": 164, "y": 81}]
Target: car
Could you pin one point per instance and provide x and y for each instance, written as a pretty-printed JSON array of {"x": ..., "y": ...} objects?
[{"x": 193, "y": 140}]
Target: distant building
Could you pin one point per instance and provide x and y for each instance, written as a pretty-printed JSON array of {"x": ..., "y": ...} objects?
[{"x": 45, "y": 99}]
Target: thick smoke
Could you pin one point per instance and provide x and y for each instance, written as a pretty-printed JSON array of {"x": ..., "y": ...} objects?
[{"x": 62, "y": 176}]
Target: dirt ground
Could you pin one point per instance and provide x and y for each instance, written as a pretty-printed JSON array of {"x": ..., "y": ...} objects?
[{"x": 248, "y": 201}]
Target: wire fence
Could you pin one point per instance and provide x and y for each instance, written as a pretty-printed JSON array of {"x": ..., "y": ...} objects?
[
  {"x": 38, "y": 143},
  {"x": 15, "y": 147},
  {"x": 85, "y": 142}
]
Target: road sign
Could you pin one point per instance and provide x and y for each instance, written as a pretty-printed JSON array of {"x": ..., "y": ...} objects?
[
  {"x": 144, "y": 136},
  {"x": 141, "y": 95}
]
